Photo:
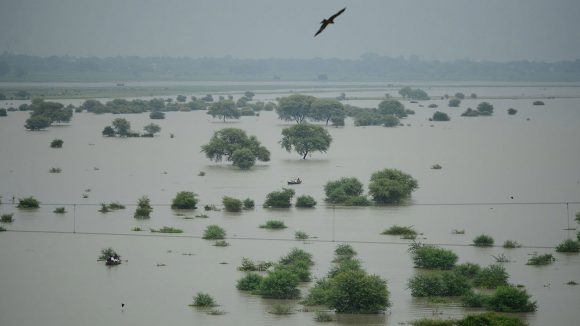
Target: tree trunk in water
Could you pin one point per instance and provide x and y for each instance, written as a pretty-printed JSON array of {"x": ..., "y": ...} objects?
[{"x": 304, "y": 156}]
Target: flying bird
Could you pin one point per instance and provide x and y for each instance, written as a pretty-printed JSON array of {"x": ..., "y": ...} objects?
[{"x": 330, "y": 20}]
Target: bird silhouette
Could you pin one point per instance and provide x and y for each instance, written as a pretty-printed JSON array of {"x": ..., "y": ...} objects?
[{"x": 330, "y": 20}]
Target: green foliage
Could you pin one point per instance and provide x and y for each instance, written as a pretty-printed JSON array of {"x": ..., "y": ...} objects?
[
  {"x": 214, "y": 232},
  {"x": 568, "y": 245},
  {"x": 390, "y": 121},
  {"x": 344, "y": 251},
  {"x": 143, "y": 209},
  {"x": 167, "y": 229},
  {"x": 281, "y": 309},
  {"x": 56, "y": 143},
  {"x": 442, "y": 284},
  {"x": 55, "y": 170},
  {"x": 400, "y": 230},
  {"x": 235, "y": 146},
  {"x": 470, "y": 113},
  {"x": 37, "y": 123},
  {"x": 151, "y": 129},
  {"x": 250, "y": 282},
  {"x": 391, "y": 186},
  {"x": 485, "y": 108},
  {"x": 157, "y": 115},
  {"x": 323, "y": 317},
  {"x": 342, "y": 191},
  {"x": 203, "y": 300},
  {"x": 297, "y": 255},
  {"x": 295, "y": 107},
  {"x": 343, "y": 264},
  {"x": 474, "y": 300},
  {"x": 108, "y": 253},
  {"x": 300, "y": 235},
  {"x": 136, "y": 229},
  {"x": 2, "y": 229},
  {"x": 324, "y": 109},
  {"x": 490, "y": 319},
  {"x": 453, "y": 103},
  {"x": 413, "y": 94},
  {"x": 512, "y": 111},
  {"x": 7, "y": 218},
  {"x": 248, "y": 203},
  {"x": 28, "y": 202},
  {"x": 273, "y": 225},
  {"x": 305, "y": 201},
  {"x": 318, "y": 294},
  {"x": 433, "y": 322},
  {"x": 460, "y": 96},
  {"x": 511, "y": 299},
  {"x": 483, "y": 240},
  {"x": 545, "y": 259},
  {"x": 108, "y": 131},
  {"x": 280, "y": 284},
  {"x": 225, "y": 109},
  {"x": 431, "y": 257},
  {"x": 121, "y": 126},
  {"x": 440, "y": 116},
  {"x": 279, "y": 199},
  {"x": 305, "y": 138},
  {"x": 184, "y": 200},
  {"x": 59, "y": 210},
  {"x": 491, "y": 277},
  {"x": 468, "y": 270},
  {"x": 358, "y": 292},
  {"x": 232, "y": 204},
  {"x": 510, "y": 244},
  {"x": 249, "y": 266},
  {"x": 392, "y": 107}
]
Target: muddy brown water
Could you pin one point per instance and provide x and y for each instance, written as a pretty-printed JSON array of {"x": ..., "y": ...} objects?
[{"x": 54, "y": 278}]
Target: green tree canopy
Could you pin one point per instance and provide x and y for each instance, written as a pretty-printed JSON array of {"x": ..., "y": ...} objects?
[
  {"x": 151, "y": 129},
  {"x": 354, "y": 291},
  {"x": 391, "y": 186},
  {"x": 325, "y": 109},
  {"x": 235, "y": 146},
  {"x": 295, "y": 107},
  {"x": 121, "y": 126},
  {"x": 485, "y": 108},
  {"x": 305, "y": 138},
  {"x": 340, "y": 191},
  {"x": 37, "y": 123},
  {"x": 454, "y": 103},
  {"x": 55, "y": 112},
  {"x": 225, "y": 109},
  {"x": 392, "y": 107}
]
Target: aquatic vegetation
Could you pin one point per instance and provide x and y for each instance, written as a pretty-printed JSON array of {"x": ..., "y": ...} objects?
[
  {"x": 211, "y": 207},
  {"x": 28, "y": 202},
  {"x": 232, "y": 204},
  {"x": 487, "y": 318},
  {"x": 323, "y": 317},
  {"x": 202, "y": 216},
  {"x": 501, "y": 258},
  {"x": 136, "y": 229},
  {"x": 280, "y": 284},
  {"x": 184, "y": 200},
  {"x": 104, "y": 208},
  {"x": 485, "y": 108},
  {"x": 107, "y": 253},
  {"x": 571, "y": 283},
  {"x": 221, "y": 243},
  {"x": 143, "y": 209},
  {"x": 166, "y": 229},
  {"x": 2, "y": 229},
  {"x": 279, "y": 199},
  {"x": 431, "y": 257},
  {"x": 491, "y": 277},
  {"x": 216, "y": 312},
  {"x": 281, "y": 309},
  {"x": 538, "y": 103},
  {"x": 568, "y": 245},
  {"x": 214, "y": 232},
  {"x": 56, "y": 143},
  {"x": 433, "y": 322},
  {"x": 510, "y": 244},
  {"x": 300, "y": 235},
  {"x": 468, "y": 270},
  {"x": 116, "y": 205},
  {"x": 470, "y": 113},
  {"x": 356, "y": 291},
  {"x": 440, "y": 116},
  {"x": 474, "y": 299},
  {"x": 201, "y": 174},
  {"x": 318, "y": 294},
  {"x": 157, "y": 115},
  {"x": 55, "y": 170},
  {"x": 400, "y": 230},
  {"x": 342, "y": 191},
  {"x": 249, "y": 266},
  {"x": 453, "y": 103},
  {"x": 391, "y": 186},
  {"x": 343, "y": 265},
  {"x": 483, "y": 240},
  {"x": 59, "y": 210},
  {"x": 203, "y": 300},
  {"x": 511, "y": 299},
  {"x": 248, "y": 203},
  {"x": 436, "y": 166},
  {"x": 305, "y": 201},
  {"x": 438, "y": 284},
  {"x": 250, "y": 282},
  {"x": 7, "y": 218},
  {"x": 273, "y": 225},
  {"x": 545, "y": 259}
]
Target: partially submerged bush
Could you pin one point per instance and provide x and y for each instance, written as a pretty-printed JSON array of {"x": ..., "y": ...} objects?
[
  {"x": 490, "y": 319},
  {"x": 483, "y": 240},
  {"x": 7, "y": 218},
  {"x": 249, "y": 266},
  {"x": 491, "y": 277},
  {"x": 280, "y": 284},
  {"x": 431, "y": 257},
  {"x": 468, "y": 270},
  {"x": 343, "y": 190},
  {"x": 510, "y": 244},
  {"x": 55, "y": 170},
  {"x": 512, "y": 111},
  {"x": 300, "y": 235},
  {"x": 440, "y": 116},
  {"x": 344, "y": 251},
  {"x": 442, "y": 284},
  {"x": 400, "y": 230},
  {"x": 28, "y": 202},
  {"x": 568, "y": 245},
  {"x": 108, "y": 253},
  {"x": 232, "y": 204},
  {"x": 545, "y": 259},
  {"x": 281, "y": 309},
  {"x": 59, "y": 210},
  {"x": 273, "y": 225},
  {"x": 250, "y": 282},
  {"x": 184, "y": 200},
  {"x": 391, "y": 186},
  {"x": 538, "y": 103},
  {"x": 143, "y": 209},
  {"x": 474, "y": 299},
  {"x": 214, "y": 232},
  {"x": 358, "y": 292},
  {"x": 323, "y": 317},
  {"x": 279, "y": 199},
  {"x": 248, "y": 203},
  {"x": 511, "y": 299},
  {"x": 56, "y": 143},
  {"x": 305, "y": 201},
  {"x": 167, "y": 229},
  {"x": 203, "y": 300}
]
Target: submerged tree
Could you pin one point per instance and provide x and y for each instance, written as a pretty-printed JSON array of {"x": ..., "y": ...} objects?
[
  {"x": 225, "y": 109},
  {"x": 305, "y": 138},
  {"x": 295, "y": 107},
  {"x": 391, "y": 186},
  {"x": 235, "y": 146},
  {"x": 325, "y": 109}
]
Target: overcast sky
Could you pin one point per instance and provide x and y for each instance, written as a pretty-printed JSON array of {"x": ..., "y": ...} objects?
[{"x": 499, "y": 30}]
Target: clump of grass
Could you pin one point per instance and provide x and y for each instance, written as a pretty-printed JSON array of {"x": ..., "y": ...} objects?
[
  {"x": 568, "y": 245},
  {"x": 214, "y": 232},
  {"x": 510, "y": 244},
  {"x": 232, "y": 204},
  {"x": 59, "y": 210},
  {"x": 221, "y": 243},
  {"x": 167, "y": 229},
  {"x": 545, "y": 259},
  {"x": 136, "y": 229},
  {"x": 273, "y": 225},
  {"x": 305, "y": 201},
  {"x": 483, "y": 240},
  {"x": 28, "y": 202},
  {"x": 203, "y": 300},
  {"x": 281, "y": 309},
  {"x": 323, "y": 317},
  {"x": 400, "y": 230},
  {"x": 250, "y": 282},
  {"x": 7, "y": 218},
  {"x": 210, "y": 207},
  {"x": 248, "y": 203},
  {"x": 457, "y": 231},
  {"x": 300, "y": 235},
  {"x": 249, "y": 266},
  {"x": 55, "y": 170}
]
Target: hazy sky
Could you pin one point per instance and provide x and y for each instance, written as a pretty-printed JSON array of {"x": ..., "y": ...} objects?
[{"x": 499, "y": 30}]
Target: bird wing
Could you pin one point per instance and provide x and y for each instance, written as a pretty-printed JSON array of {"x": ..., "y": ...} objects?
[
  {"x": 322, "y": 27},
  {"x": 337, "y": 14}
]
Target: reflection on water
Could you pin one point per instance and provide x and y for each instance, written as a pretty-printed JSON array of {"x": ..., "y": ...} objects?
[{"x": 486, "y": 160}]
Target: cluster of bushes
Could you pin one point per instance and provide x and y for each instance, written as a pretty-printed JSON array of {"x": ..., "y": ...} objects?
[
  {"x": 388, "y": 114},
  {"x": 122, "y": 128},
  {"x": 483, "y": 109},
  {"x": 413, "y": 93},
  {"x": 305, "y": 201},
  {"x": 44, "y": 114},
  {"x": 214, "y": 232},
  {"x": 56, "y": 143},
  {"x": 568, "y": 245},
  {"x": 348, "y": 288},
  {"x": 143, "y": 209},
  {"x": 488, "y": 318},
  {"x": 300, "y": 108},
  {"x": 283, "y": 280},
  {"x": 544, "y": 259},
  {"x": 505, "y": 298},
  {"x": 105, "y": 208},
  {"x": 432, "y": 257},
  {"x": 7, "y": 218},
  {"x": 250, "y": 266},
  {"x": 483, "y": 240},
  {"x": 279, "y": 199},
  {"x": 346, "y": 191},
  {"x": 28, "y": 202},
  {"x": 440, "y": 116}
]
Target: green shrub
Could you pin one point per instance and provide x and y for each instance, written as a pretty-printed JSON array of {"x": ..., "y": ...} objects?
[
  {"x": 538, "y": 103},
  {"x": 28, "y": 202},
  {"x": 250, "y": 282},
  {"x": 491, "y": 277},
  {"x": 344, "y": 265},
  {"x": 305, "y": 201},
  {"x": 296, "y": 255},
  {"x": 108, "y": 253},
  {"x": 232, "y": 204},
  {"x": 104, "y": 208},
  {"x": 453, "y": 103},
  {"x": 184, "y": 200},
  {"x": 470, "y": 113},
  {"x": 343, "y": 190},
  {"x": 116, "y": 205},
  {"x": 344, "y": 251},
  {"x": 483, "y": 240},
  {"x": 279, "y": 199},
  {"x": 7, "y": 218},
  {"x": 568, "y": 245},
  {"x": 357, "y": 201},
  {"x": 136, "y": 229},
  {"x": 400, "y": 230},
  {"x": 545, "y": 259},
  {"x": 490, "y": 319},
  {"x": 248, "y": 203},
  {"x": 358, "y": 292},
  {"x": 468, "y": 270},
  {"x": 203, "y": 300},
  {"x": 440, "y": 116},
  {"x": 273, "y": 225},
  {"x": 485, "y": 108},
  {"x": 142, "y": 212},
  {"x": 300, "y": 235},
  {"x": 474, "y": 300},
  {"x": 510, "y": 244},
  {"x": 442, "y": 284},
  {"x": 56, "y": 143},
  {"x": 55, "y": 170},
  {"x": 214, "y": 232},
  {"x": 318, "y": 294},
  {"x": 511, "y": 299},
  {"x": 249, "y": 266},
  {"x": 157, "y": 115},
  {"x": 2, "y": 229},
  {"x": 431, "y": 257},
  {"x": 59, "y": 210},
  {"x": 323, "y": 317},
  {"x": 167, "y": 229},
  {"x": 512, "y": 111},
  {"x": 280, "y": 284},
  {"x": 433, "y": 322},
  {"x": 391, "y": 186},
  {"x": 281, "y": 309}
]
